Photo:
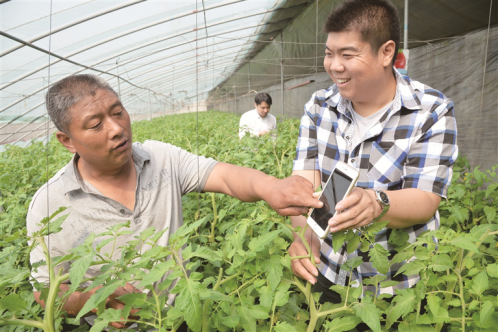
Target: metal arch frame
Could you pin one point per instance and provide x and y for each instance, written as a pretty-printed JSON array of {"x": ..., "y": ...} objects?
[
  {"x": 64, "y": 27},
  {"x": 114, "y": 55},
  {"x": 103, "y": 72},
  {"x": 108, "y": 40},
  {"x": 91, "y": 67}
]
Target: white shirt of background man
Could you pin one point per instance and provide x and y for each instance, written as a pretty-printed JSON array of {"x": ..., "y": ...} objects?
[{"x": 253, "y": 123}]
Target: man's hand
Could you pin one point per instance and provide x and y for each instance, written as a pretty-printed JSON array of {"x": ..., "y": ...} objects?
[
  {"x": 262, "y": 132},
  {"x": 113, "y": 302},
  {"x": 362, "y": 208},
  {"x": 292, "y": 196},
  {"x": 303, "y": 267}
]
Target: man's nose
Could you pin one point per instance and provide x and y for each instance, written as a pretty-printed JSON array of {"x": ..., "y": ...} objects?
[
  {"x": 115, "y": 129},
  {"x": 336, "y": 65}
]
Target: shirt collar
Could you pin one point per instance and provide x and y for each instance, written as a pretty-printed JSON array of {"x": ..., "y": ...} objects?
[
  {"x": 73, "y": 180},
  {"x": 405, "y": 96}
]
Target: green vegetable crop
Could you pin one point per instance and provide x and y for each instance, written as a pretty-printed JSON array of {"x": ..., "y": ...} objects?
[{"x": 234, "y": 273}]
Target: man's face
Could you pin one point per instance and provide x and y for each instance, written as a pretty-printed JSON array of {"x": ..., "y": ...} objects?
[
  {"x": 354, "y": 68},
  {"x": 100, "y": 131},
  {"x": 263, "y": 109}
]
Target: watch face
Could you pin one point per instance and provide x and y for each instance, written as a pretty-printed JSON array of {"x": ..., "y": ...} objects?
[{"x": 383, "y": 196}]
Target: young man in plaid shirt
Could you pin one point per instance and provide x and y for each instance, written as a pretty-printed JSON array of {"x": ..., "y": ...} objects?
[{"x": 400, "y": 134}]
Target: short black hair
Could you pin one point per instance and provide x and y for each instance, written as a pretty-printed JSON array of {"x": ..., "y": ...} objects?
[
  {"x": 69, "y": 91},
  {"x": 262, "y": 97},
  {"x": 377, "y": 21}
]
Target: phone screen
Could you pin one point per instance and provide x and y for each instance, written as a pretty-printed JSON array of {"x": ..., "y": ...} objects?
[{"x": 334, "y": 191}]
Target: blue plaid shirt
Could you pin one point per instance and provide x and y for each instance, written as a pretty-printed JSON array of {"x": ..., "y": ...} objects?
[{"x": 413, "y": 145}]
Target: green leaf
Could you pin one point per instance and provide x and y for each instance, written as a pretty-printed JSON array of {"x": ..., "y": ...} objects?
[
  {"x": 284, "y": 327},
  {"x": 353, "y": 263},
  {"x": 78, "y": 270},
  {"x": 100, "y": 295},
  {"x": 434, "y": 303},
  {"x": 480, "y": 283},
  {"x": 157, "y": 272},
  {"x": 258, "y": 311},
  {"x": 398, "y": 237},
  {"x": 189, "y": 303},
  {"x": 368, "y": 313},
  {"x": 246, "y": 319},
  {"x": 136, "y": 300},
  {"x": 274, "y": 271},
  {"x": 441, "y": 263},
  {"x": 487, "y": 310},
  {"x": 403, "y": 303},
  {"x": 206, "y": 253},
  {"x": 343, "y": 324},
  {"x": 230, "y": 321},
  {"x": 409, "y": 327},
  {"x": 379, "y": 256},
  {"x": 13, "y": 302},
  {"x": 259, "y": 243},
  {"x": 353, "y": 243},
  {"x": 464, "y": 243},
  {"x": 338, "y": 239},
  {"x": 375, "y": 227},
  {"x": 490, "y": 214},
  {"x": 492, "y": 270}
]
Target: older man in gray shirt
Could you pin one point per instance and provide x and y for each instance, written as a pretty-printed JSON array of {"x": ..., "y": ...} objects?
[{"x": 111, "y": 180}]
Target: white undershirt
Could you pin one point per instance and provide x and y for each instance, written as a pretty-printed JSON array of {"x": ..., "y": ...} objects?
[{"x": 363, "y": 124}]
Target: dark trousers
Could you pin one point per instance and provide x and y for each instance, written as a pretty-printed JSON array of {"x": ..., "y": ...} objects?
[{"x": 323, "y": 285}]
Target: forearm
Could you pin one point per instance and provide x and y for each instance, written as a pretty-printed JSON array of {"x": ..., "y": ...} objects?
[
  {"x": 74, "y": 302},
  {"x": 408, "y": 207},
  {"x": 245, "y": 184}
]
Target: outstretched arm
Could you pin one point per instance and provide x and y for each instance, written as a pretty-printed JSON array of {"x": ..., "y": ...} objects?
[{"x": 289, "y": 196}]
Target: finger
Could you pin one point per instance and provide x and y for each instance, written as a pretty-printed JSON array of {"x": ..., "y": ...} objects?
[
  {"x": 301, "y": 271},
  {"x": 316, "y": 194},
  {"x": 292, "y": 211}
]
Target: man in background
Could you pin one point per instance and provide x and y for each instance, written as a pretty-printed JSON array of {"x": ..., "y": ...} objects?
[{"x": 259, "y": 121}]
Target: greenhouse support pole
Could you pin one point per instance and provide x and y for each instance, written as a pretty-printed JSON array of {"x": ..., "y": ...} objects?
[
  {"x": 150, "y": 108},
  {"x": 405, "y": 33},
  {"x": 249, "y": 83},
  {"x": 235, "y": 99},
  {"x": 282, "y": 70},
  {"x": 117, "y": 71},
  {"x": 173, "y": 96}
]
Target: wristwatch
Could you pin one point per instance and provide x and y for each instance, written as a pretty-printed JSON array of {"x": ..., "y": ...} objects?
[{"x": 383, "y": 201}]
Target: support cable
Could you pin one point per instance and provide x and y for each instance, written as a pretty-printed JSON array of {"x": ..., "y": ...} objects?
[{"x": 482, "y": 87}]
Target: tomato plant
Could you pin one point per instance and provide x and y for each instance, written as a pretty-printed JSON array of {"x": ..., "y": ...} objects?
[{"x": 234, "y": 272}]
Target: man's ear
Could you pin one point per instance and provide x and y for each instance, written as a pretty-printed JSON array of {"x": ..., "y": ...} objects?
[
  {"x": 255, "y": 105},
  {"x": 65, "y": 140},
  {"x": 387, "y": 52}
]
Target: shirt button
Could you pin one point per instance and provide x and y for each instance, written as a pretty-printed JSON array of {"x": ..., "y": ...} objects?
[
  {"x": 352, "y": 160},
  {"x": 347, "y": 138},
  {"x": 122, "y": 211}
]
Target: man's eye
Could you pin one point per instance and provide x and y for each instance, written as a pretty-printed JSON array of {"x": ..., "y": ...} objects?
[
  {"x": 346, "y": 55},
  {"x": 97, "y": 126},
  {"x": 119, "y": 113}
]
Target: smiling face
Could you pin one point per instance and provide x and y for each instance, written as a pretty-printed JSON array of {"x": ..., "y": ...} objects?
[
  {"x": 361, "y": 75},
  {"x": 263, "y": 109},
  {"x": 100, "y": 132}
]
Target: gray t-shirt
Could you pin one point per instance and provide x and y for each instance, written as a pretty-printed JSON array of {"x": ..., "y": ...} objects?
[{"x": 164, "y": 173}]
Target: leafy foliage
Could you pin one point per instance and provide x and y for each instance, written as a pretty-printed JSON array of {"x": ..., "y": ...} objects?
[{"x": 234, "y": 272}]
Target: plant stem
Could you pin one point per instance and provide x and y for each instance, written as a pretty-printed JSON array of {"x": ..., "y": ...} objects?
[
  {"x": 207, "y": 304},
  {"x": 158, "y": 308},
  {"x": 25, "y": 322},
  {"x": 450, "y": 288},
  {"x": 213, "y": 224}
]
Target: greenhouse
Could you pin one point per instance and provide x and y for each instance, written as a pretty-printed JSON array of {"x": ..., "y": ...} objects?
[{"x": 221, "y": 239}]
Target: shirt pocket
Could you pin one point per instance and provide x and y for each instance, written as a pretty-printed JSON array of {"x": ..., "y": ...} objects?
[{"x": 387, "y": 159}]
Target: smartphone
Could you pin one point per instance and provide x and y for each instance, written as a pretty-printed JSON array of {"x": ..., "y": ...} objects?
[{"x": 338, "y": 186}]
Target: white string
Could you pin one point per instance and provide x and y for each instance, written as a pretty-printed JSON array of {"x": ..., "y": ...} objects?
[{"x": 482, "y": 88}]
